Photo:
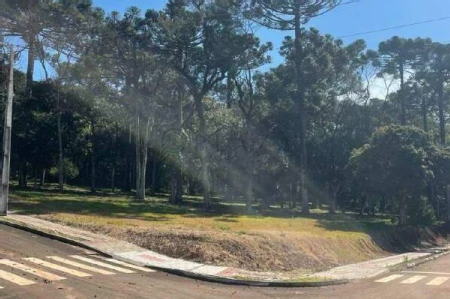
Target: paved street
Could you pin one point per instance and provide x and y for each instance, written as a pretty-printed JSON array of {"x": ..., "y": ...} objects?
[
  {"x": 35, "y": 267},
  {"x": 430, "y": 280}
]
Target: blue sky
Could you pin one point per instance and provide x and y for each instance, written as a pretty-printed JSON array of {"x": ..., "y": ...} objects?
[{"x": 363, "y": 16}]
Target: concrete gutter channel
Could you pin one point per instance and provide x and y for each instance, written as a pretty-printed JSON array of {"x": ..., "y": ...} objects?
[{"x": 336, "y": 276}]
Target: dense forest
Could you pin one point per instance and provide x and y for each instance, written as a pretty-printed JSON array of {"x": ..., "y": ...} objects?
[{"x": 181, "y": 101}]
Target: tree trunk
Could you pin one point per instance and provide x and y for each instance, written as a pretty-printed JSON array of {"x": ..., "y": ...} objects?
[
  {"x": 139, "y": 193},
  {"x": 364, "y": 206},
  {"x": 113, "y": 179},
  {"x": 114, "y": 162},
  {"x": 93, "y": 187},
  {"x": 302, "y": 113},
  {"x": 179, "y": 191},
  {"x": 35, "y": 185},
  {"x": 30, "y": 67},
  {"x": 205, "y": 174},
  {"x": 441, "y": 112},
  {"x": 424, "y": 114},
  {"x": 203, "y": 152},
  {"x": 315, "y": 202},
  {"x": 43, "y": 179},
  {"x": 176, "y": 192},
  {"x": 141, "y": 163},
  {"x": 333, "y": 198},
  {"x": 402, "y": 95},
  {"x": 143, "y": 170},
  {"x": 60, "y": 145},
  {"x": 176, "y": 186},
  {"x": 153, "y": 186},
  {"x": 173, "y": 187},
  {"x": 23, "y": 174},
  {"x": 229, "y": 91},
  {"x": 249, "y": 189},
  {"x": 383, "y": 204},
  {"x": 60, "y": 156},
  {"x": 403, "y": 218},
  {"x": 438, "y": 206},
  {"x": 191, "y": 187},
  {"x": 294, "y": 188},
  {"x": 249, "y": 193},
  {"x": 129, "y": 157}
]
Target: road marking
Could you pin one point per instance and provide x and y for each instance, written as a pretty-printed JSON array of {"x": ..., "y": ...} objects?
[
  {"x": 79, "y": 265},
  {"x": 413, "y": 279},
  {"x": 34, "y": 271},
  {"x": 390, "y": 278},
  {"x": 101, "y": 264},
  {"x": 143, "y": 269},
  {"x": 57, "y": 267},
  {"x": 438, "y": 281},
  {"x": 433, "y": 273},
  {"x": 15, "y": 279}
]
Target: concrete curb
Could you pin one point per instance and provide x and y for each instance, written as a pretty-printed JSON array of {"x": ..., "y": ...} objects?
[
  {"x": 434, "y": 256},
  {"x": 50, "y": 235},
  {"x": 215, "y": 278},
  {"x": 252, "y": 283},
  {"x": 414, "y": 263},
  {"x": 182, "y": 273}
]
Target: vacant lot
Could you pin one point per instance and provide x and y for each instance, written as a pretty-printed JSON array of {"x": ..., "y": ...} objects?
[{"x": 271, "y": 240}]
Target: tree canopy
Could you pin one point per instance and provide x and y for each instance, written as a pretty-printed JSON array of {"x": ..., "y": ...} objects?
[{"x": 181, "y": 101}]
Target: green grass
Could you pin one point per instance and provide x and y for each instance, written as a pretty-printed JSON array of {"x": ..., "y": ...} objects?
[
  {"x": 122, "y": 210},
  {"x": 309, "y": 279},
  {"x": 301, "y": 279},
  {"x": 269, "y": 240}
]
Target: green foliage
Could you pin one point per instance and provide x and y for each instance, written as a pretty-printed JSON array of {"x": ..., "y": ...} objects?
[
  {"x": 71, "y": 171},
  {"x": 183, "y": 87},
  {"x": 398, "y": 163},
  {"x": 280, "y": 14},
  {"x": 421, "y": 212}
]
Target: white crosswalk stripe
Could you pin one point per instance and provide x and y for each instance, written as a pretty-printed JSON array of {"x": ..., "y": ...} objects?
[
  {"x": 57, "y": 267},
  {"x": 389, "y": 278},
  {"x": 413, "y": 279},
  {"x": 143, "y": 269},
  {"x": 34, "y": 271},
  {"x": 427, "y": 272},
  {"x": 101, "y": 264},
  {"x": 438, "y": 281},
  {"x": 82, "y": 262},
  {"x": 79, "y": 265},
  {"x": 15, "y": 278},
  {"x": 429, "y": 281}
]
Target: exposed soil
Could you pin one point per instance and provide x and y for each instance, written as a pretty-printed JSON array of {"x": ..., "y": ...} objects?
[{"x": 270, "y": 251}]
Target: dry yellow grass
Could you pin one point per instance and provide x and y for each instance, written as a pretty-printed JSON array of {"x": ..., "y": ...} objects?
[{"x": 273, "y": 240}]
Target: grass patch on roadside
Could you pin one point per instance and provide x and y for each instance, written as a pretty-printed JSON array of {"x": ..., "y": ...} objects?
[
  {"x": 122, "y": 210},
  {"x": 267, "y": 240},
  {"x": 312, "y": 279}
]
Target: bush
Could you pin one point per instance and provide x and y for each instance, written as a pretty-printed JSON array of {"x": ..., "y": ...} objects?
[
  {"x": 71, "y": 171},
  {"x": 420, "y": 212}
]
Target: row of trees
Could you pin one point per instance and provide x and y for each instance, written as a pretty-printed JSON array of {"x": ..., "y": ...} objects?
[{"x": 175, "y": 100}]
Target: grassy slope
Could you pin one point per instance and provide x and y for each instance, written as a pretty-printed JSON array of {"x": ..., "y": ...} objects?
[{"x": 273, "y": 240}]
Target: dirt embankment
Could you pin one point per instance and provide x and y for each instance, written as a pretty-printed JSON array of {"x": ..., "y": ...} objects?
[
  {"x": 265, "y": 251},
  {"x": 270, "y": 251}
]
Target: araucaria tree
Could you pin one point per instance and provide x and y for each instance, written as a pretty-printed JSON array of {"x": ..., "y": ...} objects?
[
  {"x": 186, "y": 100},
  {"x": 293, "y": 15},
  {"x": 202, "y": 41}
]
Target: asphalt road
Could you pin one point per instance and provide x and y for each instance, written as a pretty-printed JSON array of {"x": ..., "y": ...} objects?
[{"x": 20, "y": 250}]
